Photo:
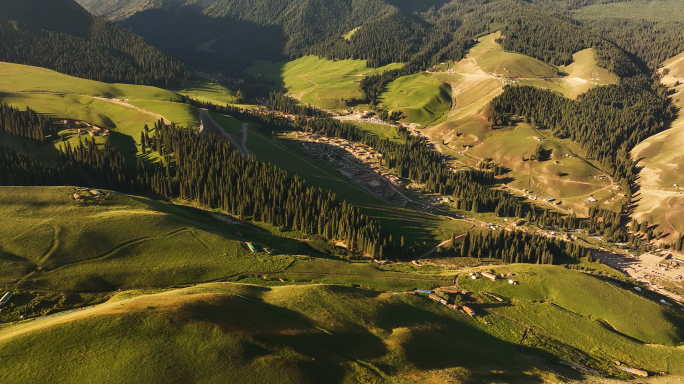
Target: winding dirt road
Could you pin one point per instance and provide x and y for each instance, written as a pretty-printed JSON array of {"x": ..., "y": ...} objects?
[
  {"x": 445, "y": 242},
  {"x": 205, "y": 120}
]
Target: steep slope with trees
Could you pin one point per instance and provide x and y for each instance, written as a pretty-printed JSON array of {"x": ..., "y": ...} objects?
[
  {"x": 609, "y": 121},
  {"x": 61, "y": 35}
]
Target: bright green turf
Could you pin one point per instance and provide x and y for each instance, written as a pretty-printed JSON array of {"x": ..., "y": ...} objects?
[
  {"x": 320, "y": 82},
  {"x": 422, "y": 98},
  {"x": 491, "y": 57},
  {"x": 181, "y": 114},
  {"x": 207, "y": 91},
  {"x": 221, "y": 333},
  {"x": 54, "y": 242},
  {"x": 589, "y": 297},
  {"x": 366, "y": 275},
  {"x": 20, "y": 78},
  {"x": 381, "y": 131},
  {"x": 125, "y": 123},
  {"x": 229, "y": 124}
]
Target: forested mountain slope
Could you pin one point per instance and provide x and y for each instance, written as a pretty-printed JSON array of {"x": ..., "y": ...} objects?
[
  {"x": 232, "y": 34},
  {"x": 237, "y": 32},
  {"x": 61, "y": 35}
]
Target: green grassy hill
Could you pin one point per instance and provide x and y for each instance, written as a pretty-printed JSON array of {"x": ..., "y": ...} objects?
[
  {"x": 320, "y": 82},
  {"x": 221, "y": 333},
  {"x": 421, "y": 98},
  {"x": 53, "y": 242},
  {"x": 27, "y": 79},
  {"x": 586, "y": 313},
  {"x": 466, "y": 133},
  {"x": 583, "y": 74},
  {"x": 491, "y": 58},
  {"x": 566, "y": 175},
  {"x": 63, "y": 96},
  {"x": 24, "y": 78},
  {"x": 659, "y": 201},
  {"x": 626, "y": 312},
  {"x": 125, "y": 123}
]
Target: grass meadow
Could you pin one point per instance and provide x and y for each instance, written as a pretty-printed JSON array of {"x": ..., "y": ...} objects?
[
  {"x": 659, "y": 201},
  {"x": 247, "y": 334},
  {"x": 587, "y": 314},
  {"x": 57, "y": 243},
  {"x": 63, "y": 96},
  {"x": 320, "y": 82},
  {"x": 421, "y": 98},
  {"x": 380, "y": 130}
]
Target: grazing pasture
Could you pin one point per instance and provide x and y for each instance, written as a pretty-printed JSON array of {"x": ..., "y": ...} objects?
[{"x": 659, "y": 201}]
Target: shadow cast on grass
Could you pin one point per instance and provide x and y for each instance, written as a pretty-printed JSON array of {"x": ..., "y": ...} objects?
[{"x": 434, "y": 340}]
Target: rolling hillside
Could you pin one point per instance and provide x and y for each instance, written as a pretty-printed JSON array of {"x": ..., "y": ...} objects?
[
  {"x": 466, "y": 134},
  {"x": 320, "y": 82},
  {"x": 122, "y": 108},
  {"x": 249, "y": 334},
  {"x": 89, "y": 245},
  {"x": 305, "y": 250},
  {"x": 62, "y": 244},
  {"x": 322, "y": 333},
  {"x": 659, "y": 201},
  {"x": 421, "y": 98},
  {"x": 211, "y": 33}
]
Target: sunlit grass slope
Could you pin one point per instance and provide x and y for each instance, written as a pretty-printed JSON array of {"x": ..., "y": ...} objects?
[
  {"x": 566, "y": 174},
  {"x": 24, "y": 78},
  {"x": 467, "y": 134},
  {"x": 51, "y": 241},
  {"x": 125, "y": 123},
  {"x": 659, "y": 201},
  {"x": 221, "y": 333},
  {"x": 421, "y": 98},
  {"x": 627, "y": 312},
  {"x": 591, "y": 315},
  {"x": 62, "y": 96},
  {"x": 320, "y": 82}
]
